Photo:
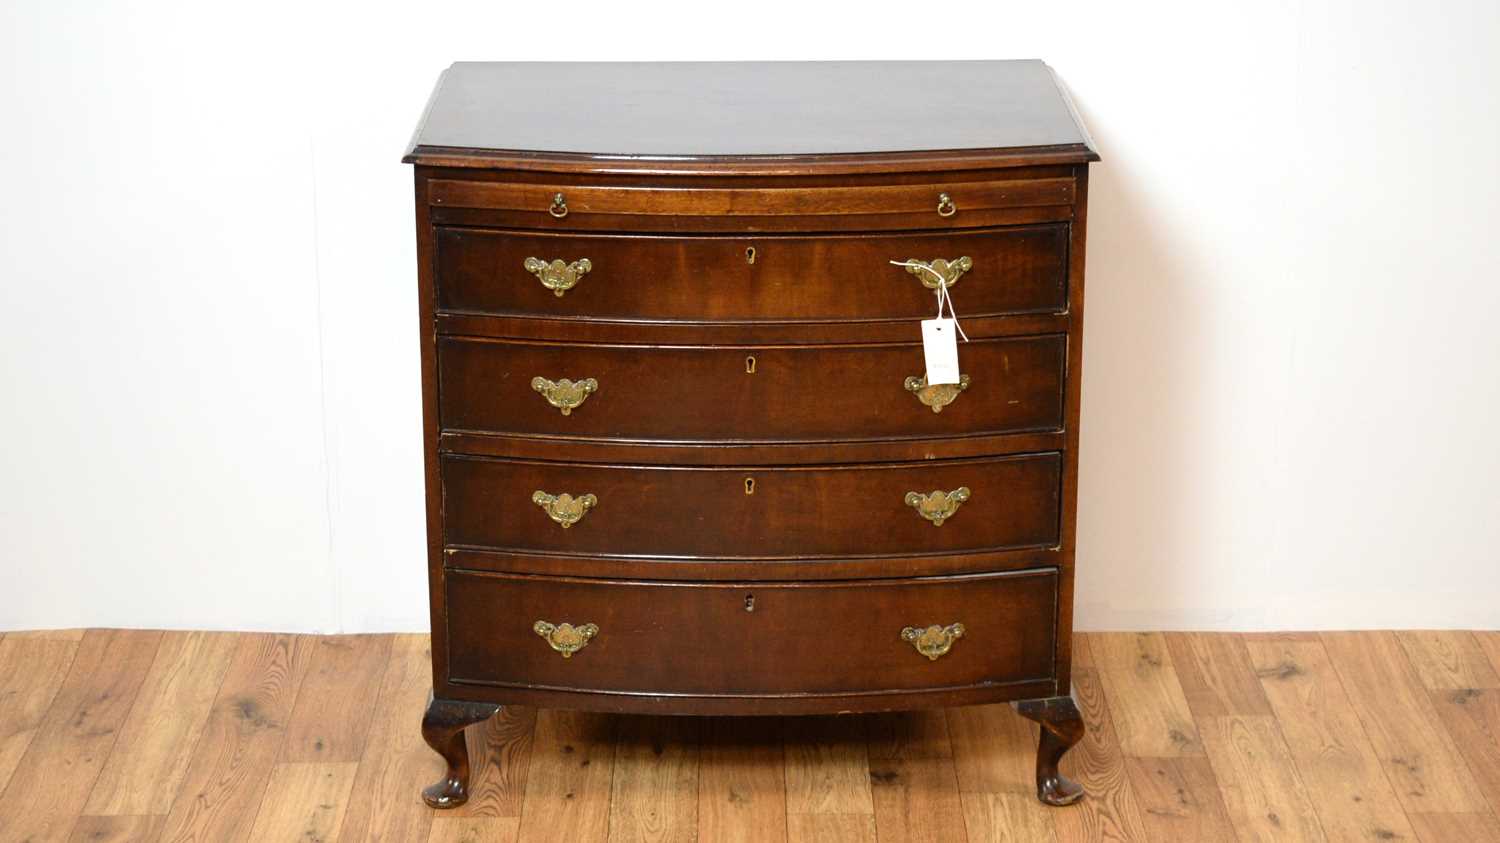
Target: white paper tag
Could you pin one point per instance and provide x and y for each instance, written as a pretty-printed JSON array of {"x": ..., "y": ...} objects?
[{"x": 940, "y": 348}]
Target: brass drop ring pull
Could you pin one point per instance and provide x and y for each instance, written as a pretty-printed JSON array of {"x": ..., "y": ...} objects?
[
  {"x": 933, "y": 641},
  {"x": 558, "y": 276},
  {"x": 565, "y": 509},
  {"x": 937, "y": 396},
  {"x": 566, "y": 638},
  {"x": 938, "y": 271},
  {"x": 559, "y": 207},
  {"x": 938, "y": 506},
  {"x": 565, "y": 395},
  {"x": 945, "y": 208}
]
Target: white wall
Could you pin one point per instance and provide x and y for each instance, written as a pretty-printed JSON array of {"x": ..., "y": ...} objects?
[{"x": 208, "y": 336}]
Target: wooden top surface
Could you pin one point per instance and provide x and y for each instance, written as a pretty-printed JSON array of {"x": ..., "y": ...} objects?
[{"x": 746, "y": 115}]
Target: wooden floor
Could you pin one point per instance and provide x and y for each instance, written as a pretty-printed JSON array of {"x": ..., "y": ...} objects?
[{"x": 111, "y": 735}]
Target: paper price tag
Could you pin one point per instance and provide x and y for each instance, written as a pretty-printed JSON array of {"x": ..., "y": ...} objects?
[{"x": 940, "y": 348}]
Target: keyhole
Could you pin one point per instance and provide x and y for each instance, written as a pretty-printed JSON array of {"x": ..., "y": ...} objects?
[
  {"x": 749, "y": 602},
  {"x": 749, "y": 485},
  {"x": 750, "y": 365},
  {"x": 750, "y": 255}
]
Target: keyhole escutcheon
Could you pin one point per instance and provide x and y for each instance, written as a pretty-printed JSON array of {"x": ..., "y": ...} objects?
[
  {"x": 750, "y": 254},
  {"x": 749, "y": 485},
  {"x": 750, "y": 364},
  {"x": 749, "y": 602}
]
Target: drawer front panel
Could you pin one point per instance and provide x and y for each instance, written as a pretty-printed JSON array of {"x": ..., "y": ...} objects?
[
  {"x": 916, "y": 205},
  {"x": 731, "y": 513},
  {"x": 718, "y": 279},
  {"x": 747, "y": 394},
  {"x": 728, "y": 639}
]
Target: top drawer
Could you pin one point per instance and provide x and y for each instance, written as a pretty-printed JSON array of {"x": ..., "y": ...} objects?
[
  {"x": 696, "y": 205},
  {"x": 829, "y": 278}
]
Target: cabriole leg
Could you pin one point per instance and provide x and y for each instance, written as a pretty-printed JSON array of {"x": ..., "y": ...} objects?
[
  {"x": 443, "y": 728},
  {"x": 1062, "y": 726}
]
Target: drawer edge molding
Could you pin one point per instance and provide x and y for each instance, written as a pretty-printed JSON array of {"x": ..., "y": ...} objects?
[
  {"x": 911, "y": 449},
  {"x": 914, "y": 199},
  {"x": 463, "y": 560}
]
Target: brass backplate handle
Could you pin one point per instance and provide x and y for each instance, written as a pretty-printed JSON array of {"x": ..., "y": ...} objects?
[
  {"x": 559, "y": 276},
  {"x": 938, "y": 506},
  {"x": 933, "y": 641},
  {"x": 938, "y": 271},
  {"x": 937, "y": 396},
  {"x": 565, "y": 395},
  {"x": 564, "y": 508},
  {"x": 565, "y": 637}
]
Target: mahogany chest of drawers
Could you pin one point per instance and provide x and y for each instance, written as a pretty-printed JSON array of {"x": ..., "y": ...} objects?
[{"x": 682, "y": 455}]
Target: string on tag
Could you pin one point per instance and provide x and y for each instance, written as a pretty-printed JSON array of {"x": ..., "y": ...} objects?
[{"x": 942, "y": 293}]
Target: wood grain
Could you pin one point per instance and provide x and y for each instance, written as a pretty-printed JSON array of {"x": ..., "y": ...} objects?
[
  {"x": 917, "y": 799},
  {"x": 226, "y": 776},
  {"x": 1420, "y": 758},
  {"x": 31, "y": 671},
  {"x": 51, "y": 782},
  {"x": 305, "y": 801},
  {"x": 994, "y": 749},
  {"x": 1262, "y": 789},
  {"x": 1150, "y": 712},
  {"x": 655, "y": 790},
  {"x": 117, "y": 829},
  {"x": 1472, "y": 717},
  {"x": 1179, "y": 799},
  {"x": 829, "y": 828},
  {"x": 500, "y": 754},
  {"x": 1006, "y": 818},
  {"x": 1468, "y": 828},
  {"x": 1489, "y": 642},
  {"x": 1110, "y": 808},
  {"x": 1215, "y": 674},
  {"x": 1311, "y": 761},
  {"x": 333, "y": 710},
  {"x": 568, "y": 787},
  {"x": 1449, "y": 659},
  {"x": 827, "y": 766},
  {"x": 1332, "y": 753},
  {"x": 396, "y": 763},
  {"x": 144, "y": 773},
  {"x": 909, "y": 734},
  {"x": 742, "y": 781},
  {"x": 475, "y": 830}
]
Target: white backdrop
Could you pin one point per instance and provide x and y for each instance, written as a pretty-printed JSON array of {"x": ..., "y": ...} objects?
[{"x": 208, "y": 342}]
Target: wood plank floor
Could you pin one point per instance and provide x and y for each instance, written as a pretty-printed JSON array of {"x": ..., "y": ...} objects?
[{"x": 114, "y": 735}]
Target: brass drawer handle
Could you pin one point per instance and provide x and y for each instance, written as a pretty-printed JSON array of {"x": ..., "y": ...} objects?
[
  {"x": 566, "y": 395},
  {"x": 936, "y": 396},
  {"x": 938, "y": 270},
  {"x": 934, "y": 641},
  {"x": 937, "y": 506},
  {"x": 564, "y": 508},
  {"x": 945, "y": 208},
  {"x": 557, "y": 276},
  {"x": 565, "y": 637},
  {"x": 559, "y": 206}
]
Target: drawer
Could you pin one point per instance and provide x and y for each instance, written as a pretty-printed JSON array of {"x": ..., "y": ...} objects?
[
  {"x": 730, "y": 639},
  {"x": 912, "y": 203},
  {"x": 781, "y": 393},
  {"x": 733, "y": 513},
  {"x": 749, "y": 279}
]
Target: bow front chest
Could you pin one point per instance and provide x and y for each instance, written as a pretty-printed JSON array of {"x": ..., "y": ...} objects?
[{"x": 682, "y": 451}]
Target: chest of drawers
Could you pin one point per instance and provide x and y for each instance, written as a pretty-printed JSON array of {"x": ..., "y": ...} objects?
[{"x": 682, "y": 456}]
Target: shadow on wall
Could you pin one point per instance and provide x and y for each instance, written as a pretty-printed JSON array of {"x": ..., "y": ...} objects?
[{"x": 1144, "y": 352}]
